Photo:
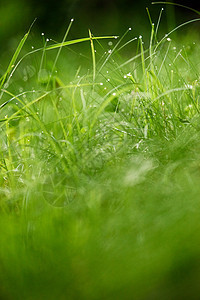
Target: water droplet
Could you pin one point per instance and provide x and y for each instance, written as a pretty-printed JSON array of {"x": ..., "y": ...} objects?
[
  {"x": 101, "y": 83},
  {"x": 47, "y": 40},
  {"x": 109, "y": 51},
  {"x": 110, "y": 43},
  {"x": 168, "y": 39},
  {"x": 130, "y": 28},
  {"x": 42, "y": 33},
  {"x": 114, "y": 94},
  {"x": 72, "y": 20}
]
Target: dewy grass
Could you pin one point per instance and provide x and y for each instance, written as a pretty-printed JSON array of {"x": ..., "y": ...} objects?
[{"x": 99, "y": 171}]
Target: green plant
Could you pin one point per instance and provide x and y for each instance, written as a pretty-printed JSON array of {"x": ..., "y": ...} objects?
[{"x": 99, "y": 175}]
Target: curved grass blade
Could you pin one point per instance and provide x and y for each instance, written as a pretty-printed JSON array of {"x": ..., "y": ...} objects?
[
  {"x": 59, "y": 51},
  {"x": 76, "y": 41},
  {"x": 58, "y": 45},
  {"x": 177, "y": 4},
  {"x": 93, "y": 55},
  {"x": 8, "y": 72}
]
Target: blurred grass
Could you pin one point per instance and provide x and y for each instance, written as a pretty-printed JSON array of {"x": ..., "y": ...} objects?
[{"x": 99, "y": 195}]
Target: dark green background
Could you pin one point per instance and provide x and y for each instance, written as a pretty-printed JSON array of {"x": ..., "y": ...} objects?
[{"x": 101, "y": 16}]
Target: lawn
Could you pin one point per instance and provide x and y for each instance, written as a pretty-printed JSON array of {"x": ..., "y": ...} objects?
[{"x": 100, "y": 167}]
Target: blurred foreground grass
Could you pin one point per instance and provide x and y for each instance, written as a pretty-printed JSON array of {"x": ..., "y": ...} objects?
[{"x": 100, "y": 172}]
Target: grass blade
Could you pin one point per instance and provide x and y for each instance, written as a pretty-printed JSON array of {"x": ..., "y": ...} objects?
[
  {"x": 76, "y": 41},
  {"x": 13, "y": 60},
  {"x": 93, "y": 55},
  {"x": 177, "y": 4}
]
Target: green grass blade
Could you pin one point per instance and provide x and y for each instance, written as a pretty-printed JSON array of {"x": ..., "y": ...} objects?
[
  {"x": 172, "y": 31},
  {"x": 14, "y": 58},
  {"x": 93, "y": 55},
  {"x": 177, "y": 4},
  {"x": 76, "y": 41},
  {"x": 59, "y": 50}
]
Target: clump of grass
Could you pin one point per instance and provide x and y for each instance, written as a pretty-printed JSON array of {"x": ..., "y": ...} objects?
[{"x": 99, "y": 192}]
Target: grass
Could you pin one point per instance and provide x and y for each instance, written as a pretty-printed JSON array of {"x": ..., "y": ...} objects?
[{"x": 100, "y": 169}]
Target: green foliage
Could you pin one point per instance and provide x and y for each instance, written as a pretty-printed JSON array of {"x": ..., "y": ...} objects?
[{"x": 99, "y": 171}]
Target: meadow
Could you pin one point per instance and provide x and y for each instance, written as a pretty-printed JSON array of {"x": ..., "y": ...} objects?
[{"x": 100, "y": 167}]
